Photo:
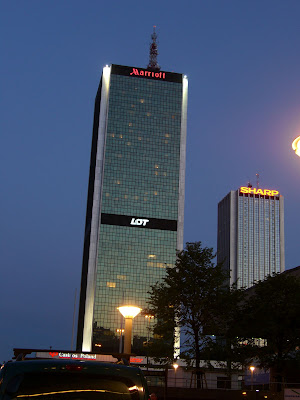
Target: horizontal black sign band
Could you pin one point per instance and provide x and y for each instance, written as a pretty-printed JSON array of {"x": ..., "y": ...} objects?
[
  {"x": 146, "y": 73},
  {"x": 139, "y": 222}
]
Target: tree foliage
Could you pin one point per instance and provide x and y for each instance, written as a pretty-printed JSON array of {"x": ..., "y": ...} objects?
[
  {"x": 272, "y": 311},
  {"x": 192, "y": 295},
  {"x": 195, "y": 296}
]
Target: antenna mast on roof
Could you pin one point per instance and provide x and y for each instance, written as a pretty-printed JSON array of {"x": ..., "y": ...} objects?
[
  {"x": 257, "y": 180},
  {"x": 153, "y": 65}
]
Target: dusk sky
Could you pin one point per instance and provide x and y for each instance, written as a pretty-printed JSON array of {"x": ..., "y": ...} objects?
[{"x": 242, "y": 59}]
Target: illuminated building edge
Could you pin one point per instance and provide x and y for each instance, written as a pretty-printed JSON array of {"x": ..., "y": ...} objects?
[{"x": 92, "y": 265}]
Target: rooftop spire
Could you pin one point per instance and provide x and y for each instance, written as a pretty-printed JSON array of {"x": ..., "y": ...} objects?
[{"x": 153, "y": 65}]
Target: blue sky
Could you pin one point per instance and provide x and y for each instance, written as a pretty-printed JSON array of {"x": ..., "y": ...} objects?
[{"x": 242, "y": 59}]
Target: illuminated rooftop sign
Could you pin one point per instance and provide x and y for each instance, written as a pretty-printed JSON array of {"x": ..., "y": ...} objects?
[
  {"x": 161, "y": 76},
  {"x": 143, "y": 72},
  {"x": 262, "y": 192}
]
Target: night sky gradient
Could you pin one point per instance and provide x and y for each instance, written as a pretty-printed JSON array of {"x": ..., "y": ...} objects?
[{"x": 242, "y": 59}]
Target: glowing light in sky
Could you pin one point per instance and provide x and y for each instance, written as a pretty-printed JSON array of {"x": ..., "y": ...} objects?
[{"x": 296, "y": 146}]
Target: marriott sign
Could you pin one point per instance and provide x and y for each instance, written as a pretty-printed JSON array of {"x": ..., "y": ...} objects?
[{"x": 143, "y": 72}]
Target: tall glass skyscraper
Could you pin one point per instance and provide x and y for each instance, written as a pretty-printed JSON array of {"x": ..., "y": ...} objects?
[
  {"x": 251, "y": 235},
  {"x": 134, "y": 220}
]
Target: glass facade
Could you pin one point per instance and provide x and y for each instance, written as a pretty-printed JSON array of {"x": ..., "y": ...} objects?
[
  {"x": 139, "y": 191},
  {"x": 259, "y": 238},
  {"x": 253, "y": 227}
]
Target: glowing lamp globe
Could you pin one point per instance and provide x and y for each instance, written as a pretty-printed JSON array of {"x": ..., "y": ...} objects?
[
  {"x": 129, "y": 311},
  {"x": 296, "y": 146}
]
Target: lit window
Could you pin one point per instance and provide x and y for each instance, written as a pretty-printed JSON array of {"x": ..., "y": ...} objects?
[
  {"x": 156, "y": 265},
  {"x": 128, "y": 143},
  {"x": 155, "y": 193},
  {"x": 152, "y": 256},
  {"x": 130, "y": 124},
  {"x": 121, "y": 136},
  {"x": 139, "y": 138},
  {"x": 156, "y": 166},
  {"x": 118, "y": 182},
  {"x": 121, "y": 277},
  {"x": 111, "y": 284},
  {"x": 107, "y": 194},
  {"x": 112, "y": 135},
  {"x": 142, "y": 101}
]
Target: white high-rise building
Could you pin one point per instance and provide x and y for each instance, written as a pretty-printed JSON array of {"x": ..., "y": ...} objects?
[{"x": 251, "y": 234}]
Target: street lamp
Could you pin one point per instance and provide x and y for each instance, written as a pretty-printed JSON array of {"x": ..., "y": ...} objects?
[
  {"x": 128, "y": 312},
  {"x": 296, "y": 146},
  {"x": 120, "y": 332},
  {"x": 252, "y": 370},
  {"x": 149, "y": 317},
  {"x": 175, "y": 366}
]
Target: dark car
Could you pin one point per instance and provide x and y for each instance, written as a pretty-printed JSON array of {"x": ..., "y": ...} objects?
[{"x": 71, "y": 379}]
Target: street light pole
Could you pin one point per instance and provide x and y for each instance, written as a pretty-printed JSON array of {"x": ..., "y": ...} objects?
[
  {"x": 175, "y": 366},
  {"x": 252, "y": 370},
  {"x": 120, "y": 332},
  {"x": 148, "y": 317},
  {"x": 128, "y": 312}
]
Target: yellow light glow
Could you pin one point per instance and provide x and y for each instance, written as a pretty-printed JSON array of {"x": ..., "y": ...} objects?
[
  {"x": 133, "y": 388},
  {"x": 252, "y": 368},
  {"x": 67, "y": 391},
  {"x": 296, "y": 146},
  {"x": 263, "y": 192},
  {"x": 175, "y": 366},
  {"x": 129, "y": 311}
]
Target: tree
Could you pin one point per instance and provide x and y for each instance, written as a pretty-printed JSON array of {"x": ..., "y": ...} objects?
[
  {"x": 191, "y": 295},
  {"x": 272, "y": 312}
]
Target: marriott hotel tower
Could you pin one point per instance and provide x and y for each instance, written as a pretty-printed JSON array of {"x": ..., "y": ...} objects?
[
  {"x": 134, "y": 219},
  {"x": 251, "y": 235}
]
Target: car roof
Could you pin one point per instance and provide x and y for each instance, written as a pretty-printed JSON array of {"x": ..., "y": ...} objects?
[
  {"x": 89, "y": 366},
  {"x": 103, "y": 369}
]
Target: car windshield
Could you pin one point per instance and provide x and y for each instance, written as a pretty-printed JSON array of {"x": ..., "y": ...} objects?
[{"x": 71, "y": 386}]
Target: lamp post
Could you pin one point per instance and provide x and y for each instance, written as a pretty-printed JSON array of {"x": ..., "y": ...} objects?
[
  {"x": 296, "y": 146},
  {"x": 252, "y": 370},
  {"x": 175, "y": 366},
  {"x": 128, "y": 312},
  {"x": 148, "y": 317},
  {"x": 120, "y": 332}
]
